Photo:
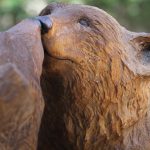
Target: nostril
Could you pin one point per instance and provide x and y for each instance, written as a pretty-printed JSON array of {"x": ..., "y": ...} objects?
[{"x": 46, "y": 23}]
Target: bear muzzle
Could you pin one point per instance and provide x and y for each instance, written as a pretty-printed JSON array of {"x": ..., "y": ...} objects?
[{"x": 46, "y": 23}]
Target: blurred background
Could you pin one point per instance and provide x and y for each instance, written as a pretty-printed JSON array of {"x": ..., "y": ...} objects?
[{"x": 133, "y": 14}]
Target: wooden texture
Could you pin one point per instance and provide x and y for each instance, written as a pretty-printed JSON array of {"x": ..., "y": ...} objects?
[
  {"x": 21, "y": 101},
  {"x": 95, "y": 81}
]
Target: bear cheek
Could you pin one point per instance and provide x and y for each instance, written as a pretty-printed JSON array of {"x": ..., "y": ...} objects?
[{"x": 64, "y": 46}]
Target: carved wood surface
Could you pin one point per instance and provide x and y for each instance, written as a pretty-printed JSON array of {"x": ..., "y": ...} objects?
[
  {"x": 95, "y": 82},
  {"x": 21, "y": 101}
]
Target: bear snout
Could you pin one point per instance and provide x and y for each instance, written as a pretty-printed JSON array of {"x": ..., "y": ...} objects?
[{"x": 46, "y": 23}]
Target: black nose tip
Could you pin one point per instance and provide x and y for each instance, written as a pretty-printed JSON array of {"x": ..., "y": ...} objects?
[{"x": 46, "y": 23}]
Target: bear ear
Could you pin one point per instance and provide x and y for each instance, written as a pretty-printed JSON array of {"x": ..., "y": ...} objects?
[
  {"x": 141, "y": 42},
  {"x": 141, "y": 38},
  {"x": 46, "y": 11},
  {"x": 49, "y": 8},
  {"x": 141, "y": 45}
]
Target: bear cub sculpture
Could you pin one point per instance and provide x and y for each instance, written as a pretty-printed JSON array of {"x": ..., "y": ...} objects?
[{"x": 95, "y": 82}]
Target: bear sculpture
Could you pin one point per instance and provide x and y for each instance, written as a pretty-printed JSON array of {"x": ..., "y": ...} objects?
[{"x": 95, "y": 82}]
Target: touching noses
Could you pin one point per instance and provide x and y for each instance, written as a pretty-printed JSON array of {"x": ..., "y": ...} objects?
[{"x": 46, "y": 23}]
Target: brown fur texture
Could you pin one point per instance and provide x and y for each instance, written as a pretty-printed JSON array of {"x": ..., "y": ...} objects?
[{"x": 95, "y": 82}]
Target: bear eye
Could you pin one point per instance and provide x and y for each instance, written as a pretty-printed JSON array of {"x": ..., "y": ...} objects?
[
  {"x": 145, "y": 53},
  {"x": 84, "y": 22}
]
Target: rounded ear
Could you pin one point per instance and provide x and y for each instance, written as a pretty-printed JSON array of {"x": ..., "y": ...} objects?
[
  {"x": 138, "y": 53},
  {"x": 46, "y": 11},
  {"x": 49, "y": 8},
  {"x": 142, "y": 43},
  {"x": 140, "y": 37}
]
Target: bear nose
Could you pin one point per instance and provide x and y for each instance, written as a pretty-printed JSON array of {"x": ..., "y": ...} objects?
[{"x": 46, "y": 23}]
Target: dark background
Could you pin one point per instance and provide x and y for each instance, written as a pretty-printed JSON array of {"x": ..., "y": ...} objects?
[{"x": 133, "y": 14}]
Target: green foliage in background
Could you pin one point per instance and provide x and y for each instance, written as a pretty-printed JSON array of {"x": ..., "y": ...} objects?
[
  {"x": 11, "y": 11},
  {"x": 133, "y": 14}
]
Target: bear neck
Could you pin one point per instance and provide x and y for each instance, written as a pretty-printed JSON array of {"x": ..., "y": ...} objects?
[
  {"x": 81, "y": 112},
  {"x": 94, "y": 114}
]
